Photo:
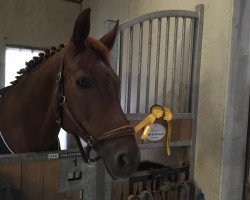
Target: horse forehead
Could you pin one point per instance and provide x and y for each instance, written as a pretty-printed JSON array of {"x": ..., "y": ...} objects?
[
  {"x": 90, "y": 57},
  {"x": 98, "y": 48},
  {"x": 92, "y": 65},
  {"x": 105, "y": 71}
]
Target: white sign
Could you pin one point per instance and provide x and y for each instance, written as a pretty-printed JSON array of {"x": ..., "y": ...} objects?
[
  {"x": 53, "y": 156},
  {"x": 157, "y": 132}
]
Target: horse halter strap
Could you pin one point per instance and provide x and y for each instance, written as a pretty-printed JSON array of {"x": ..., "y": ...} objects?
[{"x": 82, "y": 127}]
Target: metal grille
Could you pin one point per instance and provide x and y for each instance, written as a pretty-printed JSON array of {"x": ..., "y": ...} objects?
[
  {"x": 157, "y": 57},
  {"x": 155, "y": 61}
]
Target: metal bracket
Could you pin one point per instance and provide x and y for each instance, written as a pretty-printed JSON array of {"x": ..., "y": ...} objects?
[{"x": 71, "y": 174}]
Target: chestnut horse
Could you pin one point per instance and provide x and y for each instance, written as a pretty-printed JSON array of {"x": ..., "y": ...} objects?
[{"x": 73, "y": 87}]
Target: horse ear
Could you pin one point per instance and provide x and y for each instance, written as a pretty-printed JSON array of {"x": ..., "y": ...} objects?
[
  {"x": 109, "y": 39},
  {"x": 81, "y": 29}
]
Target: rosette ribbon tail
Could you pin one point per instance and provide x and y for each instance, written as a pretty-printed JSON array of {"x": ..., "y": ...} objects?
[
  {"x": 147, "y": 123},
  {"x": 168, "y": 137},
  {"x": 168, "y": 117}
]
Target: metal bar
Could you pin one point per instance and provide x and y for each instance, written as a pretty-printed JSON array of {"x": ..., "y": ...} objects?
[
  {"x": 120, "y": 67},
  {"x": 30, "y": 157},
  {"x": 166, "y": 63},
  {"x": 148, "y": 65},
  {"x": 139, "y": 69},
  {"x": 174, "y": 64},
  {"x": 190, "y": 66},
  {"x": 114, "y": 51},
  {"x": 158, "y": 14},
  {"x": 157, "y": 61},
  {"x": 182, "y": 63},
  {"x": 131, "y": 33},
  {"x": 100, "y": 175},
  {"x": 183, "y": 143},
  {"x": 195, "y": 83},
  {"x": 137, "y": 117}
]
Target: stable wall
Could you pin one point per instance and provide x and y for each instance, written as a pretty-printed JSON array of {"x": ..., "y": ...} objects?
[
  {"x": 214, "y": 77},
  {"x": 34, "y": 23},
  {"x": 46, "y": 23}
]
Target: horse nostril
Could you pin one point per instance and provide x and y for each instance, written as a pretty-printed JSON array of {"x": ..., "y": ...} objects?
[{"x": 122, "y": 160}]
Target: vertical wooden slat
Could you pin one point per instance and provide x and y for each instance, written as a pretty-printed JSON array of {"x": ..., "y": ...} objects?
[
  {"x": 12, "y": 174},
  {"x": 120, "y": 189},
  {"x": 32, "y": 180},
  {"x": 175, "y": 130},
  {"x": 125, "y": 187},
  {"x": 51, "y": 176},
  {"x": 117, "y": 192},
  {"x": 185, "y": 129}
]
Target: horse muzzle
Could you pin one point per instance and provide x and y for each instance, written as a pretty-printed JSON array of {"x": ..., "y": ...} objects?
[{"x": 121, "y": 155}]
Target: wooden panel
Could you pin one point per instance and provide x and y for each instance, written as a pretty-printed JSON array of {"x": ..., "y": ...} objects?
[
  {"x": 179, "y": 155},
  {"x": 12, "y": 173},
  {"x": 181, "y": 130},
  {"x": 119, "y": 189},
  {"x": 32, "y": 180},
  {"x": 175, "y": 125},
  {"x": 51, "y": 177},
  {"x": 185, "y": 130},
  {"x": 173, "y": 195}
]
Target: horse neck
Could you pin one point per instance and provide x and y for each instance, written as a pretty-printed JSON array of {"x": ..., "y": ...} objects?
[{"x": 28, "y": 109}]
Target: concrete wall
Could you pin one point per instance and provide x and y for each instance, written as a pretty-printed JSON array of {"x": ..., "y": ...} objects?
[
  {"x": 108, "y": 9},
  {"x": 35, "y": 23},
  {"x": 46, "y": 23},
  {"x": 215, "y": 99}
]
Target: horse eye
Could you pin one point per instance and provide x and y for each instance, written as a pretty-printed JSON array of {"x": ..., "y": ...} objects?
[{"x": 83, "y": 83}]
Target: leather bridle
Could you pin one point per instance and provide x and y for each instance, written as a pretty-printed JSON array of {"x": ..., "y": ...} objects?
[{"x": 92, "y": 141}]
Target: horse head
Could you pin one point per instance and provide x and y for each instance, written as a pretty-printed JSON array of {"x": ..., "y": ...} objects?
[{"x": 91, "y": 107}]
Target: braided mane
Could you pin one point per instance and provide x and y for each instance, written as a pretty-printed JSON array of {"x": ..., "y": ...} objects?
[{"x": 36, "y": 60}]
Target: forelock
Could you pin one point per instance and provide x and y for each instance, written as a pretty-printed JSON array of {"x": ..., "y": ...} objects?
[{"x": 100, "y": 49}]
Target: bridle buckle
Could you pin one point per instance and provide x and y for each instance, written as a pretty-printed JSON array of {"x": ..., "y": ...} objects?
[
  {"x": 62, "y": 99},
  {"x": 91, "y": 141},
  {"x": 58, "y": 121},
  {"x": 91, "y": 164},
  {"x": 59, "y": 77}
]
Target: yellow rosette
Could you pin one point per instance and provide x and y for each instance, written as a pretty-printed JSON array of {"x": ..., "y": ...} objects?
[{"x": 156, "y": 112}]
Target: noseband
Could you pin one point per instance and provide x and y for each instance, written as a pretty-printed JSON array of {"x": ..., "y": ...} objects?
[{"x": 83, "y": 127}]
